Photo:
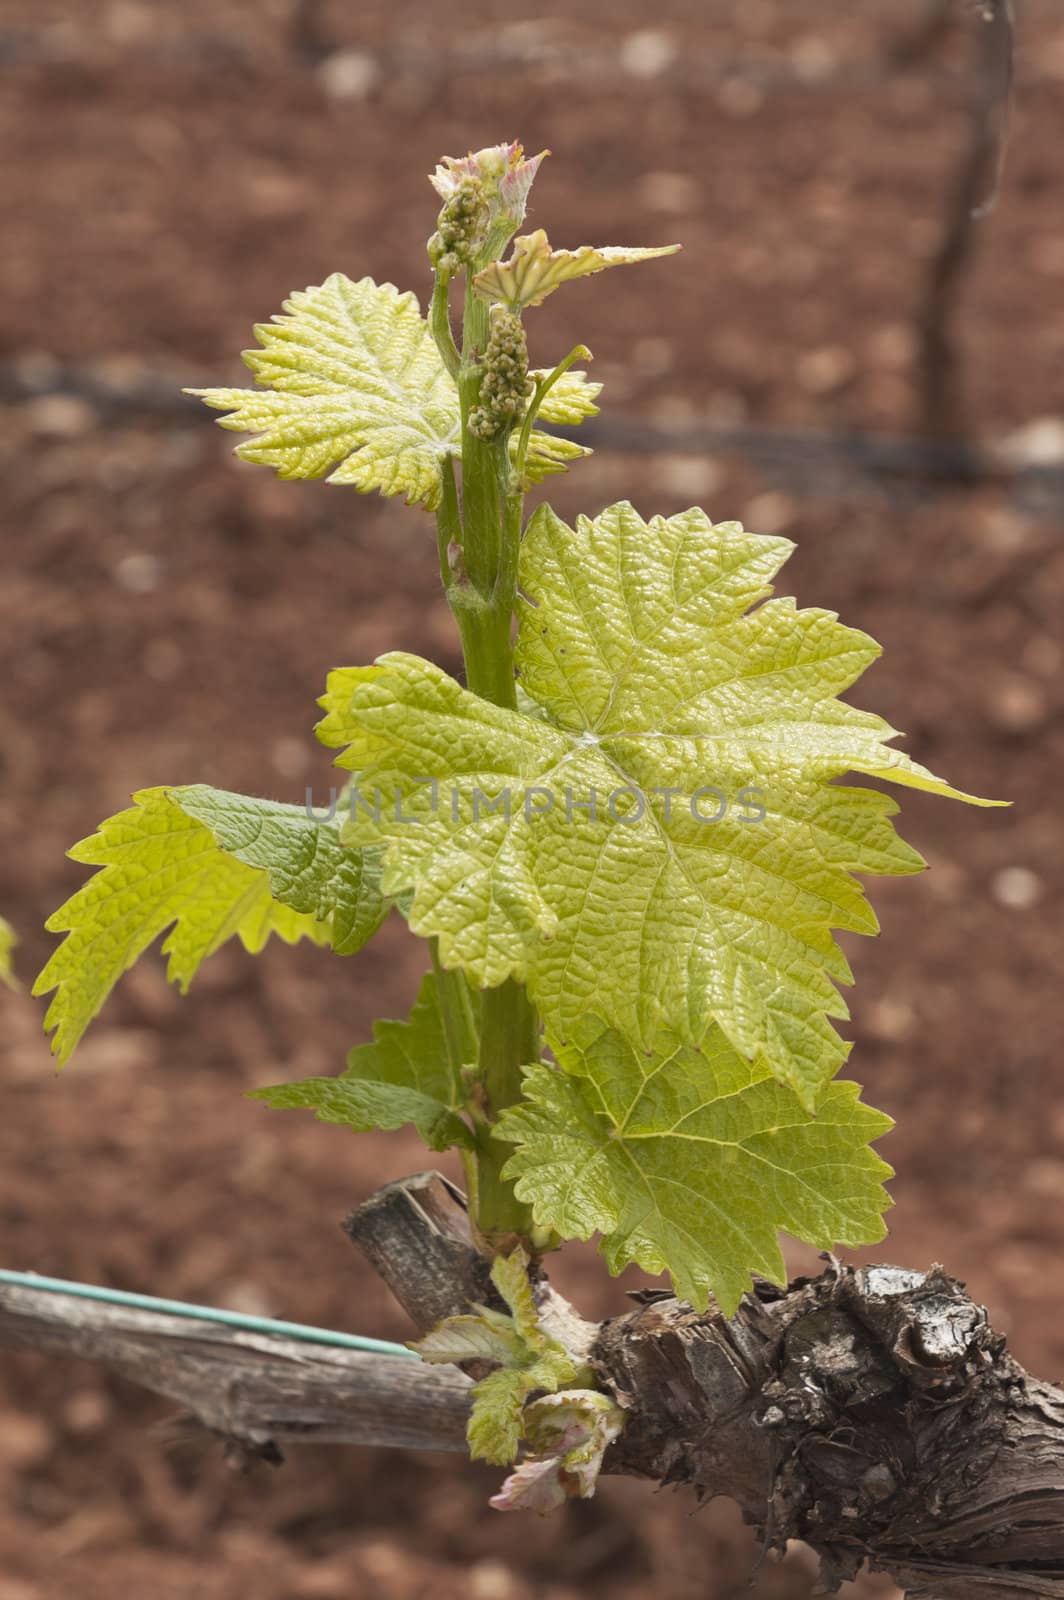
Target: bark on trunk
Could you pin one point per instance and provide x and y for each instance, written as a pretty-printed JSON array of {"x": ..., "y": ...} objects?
[{"x": 873, "y": 1413}]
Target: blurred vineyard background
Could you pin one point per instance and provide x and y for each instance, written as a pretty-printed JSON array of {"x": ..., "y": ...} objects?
[{"x": 170, "y": 170}]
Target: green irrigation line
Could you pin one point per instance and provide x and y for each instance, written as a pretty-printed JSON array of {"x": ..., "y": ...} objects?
[{"x": 230, "y": 1319}]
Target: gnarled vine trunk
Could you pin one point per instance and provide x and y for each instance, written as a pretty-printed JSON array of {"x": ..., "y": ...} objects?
[{"x": 874, "y": 1413}]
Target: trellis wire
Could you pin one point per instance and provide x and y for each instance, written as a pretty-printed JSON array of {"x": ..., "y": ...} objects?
[{"x": 184, "y": 1308}]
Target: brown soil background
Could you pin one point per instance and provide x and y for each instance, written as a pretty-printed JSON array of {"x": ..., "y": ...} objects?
[{"x": 170, "y": 172}]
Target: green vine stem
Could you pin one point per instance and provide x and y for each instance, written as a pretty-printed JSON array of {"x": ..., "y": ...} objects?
[
  {"x": 455, "y": 1007},
  {"x": 479, "y": 537}
]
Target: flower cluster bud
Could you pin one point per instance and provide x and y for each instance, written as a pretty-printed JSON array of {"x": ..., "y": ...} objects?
[
  {"x": 506, "y": 175},
  {"x": 461, "y": 228},
  {"x": 506, "y": 386}
]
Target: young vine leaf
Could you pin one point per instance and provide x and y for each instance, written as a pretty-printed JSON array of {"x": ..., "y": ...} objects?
[
  {"x": 571, "y": 399},
  {"x": 215, "y": 866},
  {"x": 407, "y": 1075},
  {"x": 689, "y": 1160},
  {"x": 587, "y": 852},
  {"x": 530, "y": 1360},
  {"x": 480, "y": 1335},
  {"x": 547, "y": 456},
  {"x": 355, "y": 388},
  {"x": 535, "y": 270}
]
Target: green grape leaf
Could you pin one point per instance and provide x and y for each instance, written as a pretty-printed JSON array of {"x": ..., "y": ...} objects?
[
  {"x": 509, "y": 1274},
  {"x": 405, "y": 1075},
  {"x": 163, "y": 865},
  {"x": 662, "y": 691},
  {"x": 356, "y": 388},
  {"x": 570, "y": 399},
  {"x": 534, "y": 270},
  {"x": 495, "y": 1423},
  {"x": 8, "y": 942},
  {"x": 309, "y": 870},
  {"x": 690, "y": 1159},
  {"x": 409, "y": 721},
  {"x": 547, "y": 456}
]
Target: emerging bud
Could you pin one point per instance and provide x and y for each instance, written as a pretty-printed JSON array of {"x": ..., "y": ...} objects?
[
  {"x": 504, "y": 174},
  {"x": 567, "y": 1434},
  {"x": 462, "y": 228},
  {"x": 506, "y": 386}
]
